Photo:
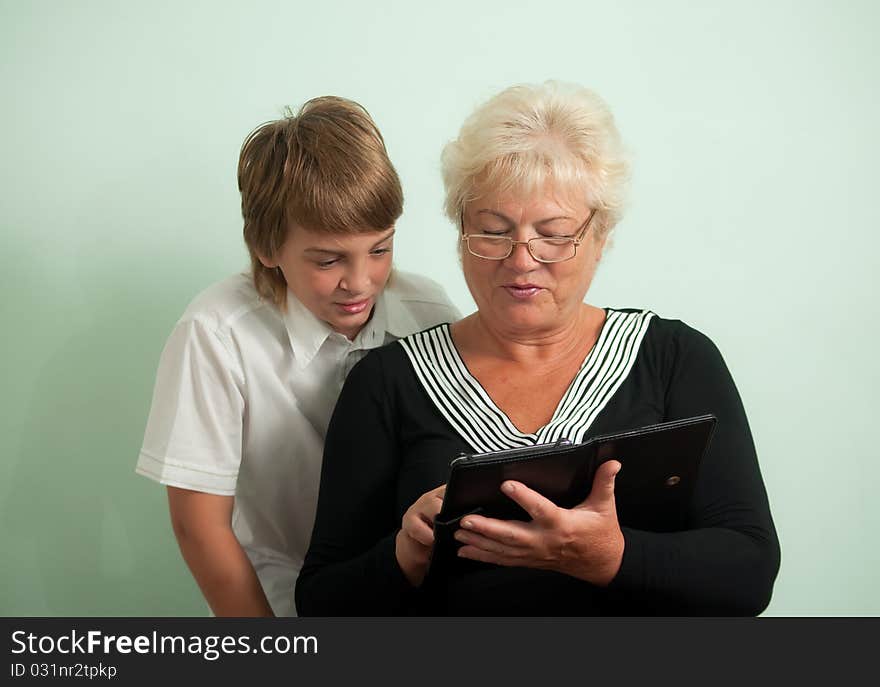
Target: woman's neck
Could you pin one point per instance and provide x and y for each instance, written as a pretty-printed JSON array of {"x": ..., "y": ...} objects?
[{"x": 479, "y": 335}]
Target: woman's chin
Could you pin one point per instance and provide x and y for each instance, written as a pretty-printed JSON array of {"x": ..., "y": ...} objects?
[{"x": 523, "y": 319}]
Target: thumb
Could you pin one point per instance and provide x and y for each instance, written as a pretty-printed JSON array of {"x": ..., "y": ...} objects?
[{"x": 602, "y": 493}]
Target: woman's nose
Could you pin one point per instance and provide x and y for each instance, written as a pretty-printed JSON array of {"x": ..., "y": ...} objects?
[{"x": 520, "y": 258}]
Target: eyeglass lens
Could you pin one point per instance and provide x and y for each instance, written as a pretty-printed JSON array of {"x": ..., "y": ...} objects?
[{"x": 499, "y": 247}]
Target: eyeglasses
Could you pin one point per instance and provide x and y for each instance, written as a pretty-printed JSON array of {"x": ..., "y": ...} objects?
[{"x": 544, "y": 249}]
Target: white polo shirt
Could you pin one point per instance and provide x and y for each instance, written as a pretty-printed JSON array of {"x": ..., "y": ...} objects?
[{"x": 242, "y": 400}]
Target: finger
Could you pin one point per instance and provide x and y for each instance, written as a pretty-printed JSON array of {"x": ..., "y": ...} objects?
[
  {"x": 423, "y": 550},
  {"x": 475, "y": 554},
  {"x": 602, "y": 493},
  {"x": 428, "y": 505},
  {"x": 508, "y": 532},
  {"x": 537, "y": 506},
  {"x": 432, "y": 502},
  {"x": 418, "y": 529},
  {"x": 487, "y": 544},
  {"x": 429, "y": 513}
]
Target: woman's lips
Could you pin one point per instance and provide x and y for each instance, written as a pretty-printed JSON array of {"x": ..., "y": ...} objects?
[
  {"x": 523, "y": 292},
  {"x": 355, "y": 307}
]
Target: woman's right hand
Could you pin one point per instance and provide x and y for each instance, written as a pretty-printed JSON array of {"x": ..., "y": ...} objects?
[{"x": 415, "y": 540}]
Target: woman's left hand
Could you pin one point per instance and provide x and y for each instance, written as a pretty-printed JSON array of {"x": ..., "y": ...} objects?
[{"x": 584, "y": 541}]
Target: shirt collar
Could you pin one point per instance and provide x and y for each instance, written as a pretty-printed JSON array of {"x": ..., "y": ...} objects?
[
  {"x": 398, "y": 319},
  {"x": 307, "y": 333}
]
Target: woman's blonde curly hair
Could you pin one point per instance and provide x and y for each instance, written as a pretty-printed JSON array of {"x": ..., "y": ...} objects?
[{"x": 532, "y": 135}]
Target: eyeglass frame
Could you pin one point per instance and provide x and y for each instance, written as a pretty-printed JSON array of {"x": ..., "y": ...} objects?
[{"x": 575, "y": 241}]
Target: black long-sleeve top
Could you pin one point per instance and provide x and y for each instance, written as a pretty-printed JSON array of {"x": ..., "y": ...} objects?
[{"x": 409, "y": 408}]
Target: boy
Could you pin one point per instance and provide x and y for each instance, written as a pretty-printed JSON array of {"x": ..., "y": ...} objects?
[{"x": 250, "y": 374}]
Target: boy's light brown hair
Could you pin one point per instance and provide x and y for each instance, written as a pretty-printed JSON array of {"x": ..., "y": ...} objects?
[{"x": 326, "y": 169}]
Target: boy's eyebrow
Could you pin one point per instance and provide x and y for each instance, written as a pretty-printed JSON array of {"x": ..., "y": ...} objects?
[
  {"x": 385, "y": 238},
  {"x": 331, "y": 251}
]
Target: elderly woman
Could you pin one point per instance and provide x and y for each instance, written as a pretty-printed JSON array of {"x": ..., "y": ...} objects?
[{"x": 535, "y": 182}]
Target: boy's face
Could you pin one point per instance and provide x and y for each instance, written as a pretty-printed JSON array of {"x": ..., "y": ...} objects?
[{"x": 338, "y": 278}]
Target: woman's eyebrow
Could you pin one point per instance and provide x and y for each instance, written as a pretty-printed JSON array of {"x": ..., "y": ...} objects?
[
  {"x": 507, "y": 219},
  {"x": 496, "y": 214}
]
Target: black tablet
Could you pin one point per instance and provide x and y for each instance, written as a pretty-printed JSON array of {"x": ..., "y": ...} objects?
[{"x": 652, "y": 490}]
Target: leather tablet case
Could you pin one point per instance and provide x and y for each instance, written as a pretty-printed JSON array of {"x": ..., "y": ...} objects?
[{"x": 652, "y": 490}]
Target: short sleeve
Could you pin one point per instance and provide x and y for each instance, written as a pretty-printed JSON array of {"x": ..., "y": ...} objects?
[{"x": 193, "y": 437}]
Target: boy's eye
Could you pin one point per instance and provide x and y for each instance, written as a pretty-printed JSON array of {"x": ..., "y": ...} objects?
[
  {"x": 380, "y": 251},
  {"x": 327, "y": 263}
]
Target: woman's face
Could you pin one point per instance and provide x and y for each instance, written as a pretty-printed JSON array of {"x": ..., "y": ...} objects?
[
  {"x": 338, "y": 278},
  {"x": 519, "y": 294}
]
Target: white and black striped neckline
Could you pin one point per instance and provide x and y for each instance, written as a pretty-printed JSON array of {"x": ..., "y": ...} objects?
[{"x": 463, "y": 401}]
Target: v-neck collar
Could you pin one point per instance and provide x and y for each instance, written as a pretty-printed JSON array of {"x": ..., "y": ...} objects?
[
  {"x": 468, "y": 407},
  {"x": 491, "y": 406}
]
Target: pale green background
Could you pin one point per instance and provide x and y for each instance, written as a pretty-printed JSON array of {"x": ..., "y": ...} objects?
[{"x": 754, "y": 216}]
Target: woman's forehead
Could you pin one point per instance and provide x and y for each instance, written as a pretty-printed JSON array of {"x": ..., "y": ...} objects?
[{"x": 550, "y": 200}]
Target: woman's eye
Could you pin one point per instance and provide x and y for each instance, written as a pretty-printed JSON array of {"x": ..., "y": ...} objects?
[{"x": 494, "y": 232}]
